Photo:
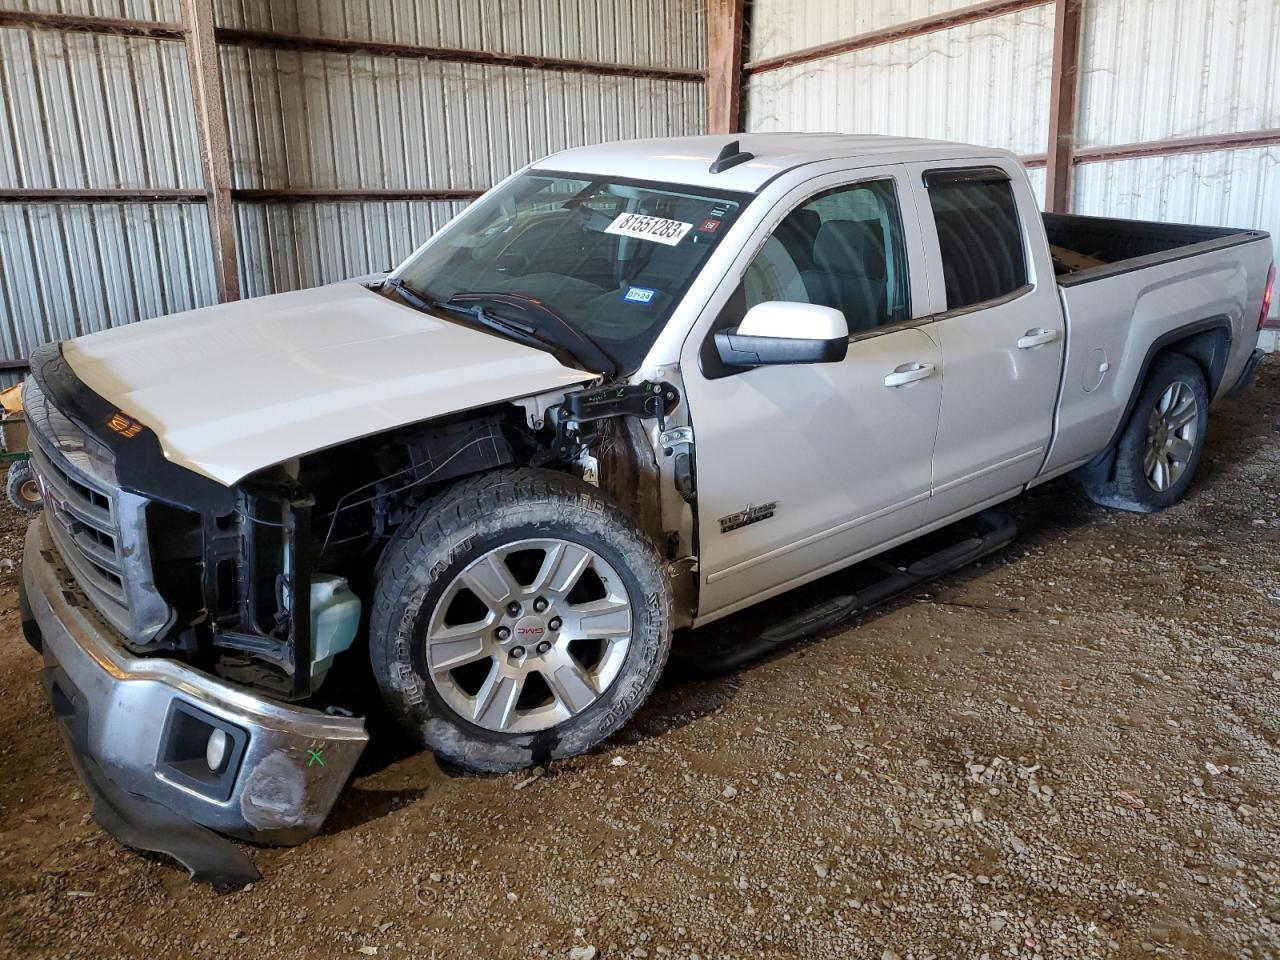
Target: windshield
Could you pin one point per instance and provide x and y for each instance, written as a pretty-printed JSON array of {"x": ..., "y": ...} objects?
[{"x": 611, "y": 257}]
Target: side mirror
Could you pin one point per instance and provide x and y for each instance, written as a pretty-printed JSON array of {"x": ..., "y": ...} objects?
[{"x": 779, "y": 332}]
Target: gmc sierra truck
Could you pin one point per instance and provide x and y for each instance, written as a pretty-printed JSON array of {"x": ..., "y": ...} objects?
[{"x": 632, "y": 389}]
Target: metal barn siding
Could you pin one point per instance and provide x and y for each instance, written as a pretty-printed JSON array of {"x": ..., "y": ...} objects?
[
  {"x": 984, "y": 83},
  {"x": 784, "y": 26},
  {"x": 288, "y": 246},
  {"x": 85, "y": 111},
  {"x": 164, "y": 11},
  {"x": 68, "y": 269},
  {"x": 90, "y": 112},
  {"x": 1155, "y": 69},
  {"x": 666, "y": 33},
  {"x": 309, "y": 120}
]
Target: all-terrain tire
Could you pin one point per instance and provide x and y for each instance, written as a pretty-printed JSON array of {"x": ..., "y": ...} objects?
[
  {"x": 467, "y": 524},
  {"x": 1125, "y": 485}
]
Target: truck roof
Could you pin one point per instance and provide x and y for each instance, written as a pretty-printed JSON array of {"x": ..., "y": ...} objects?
[{"x": 687, "y": 160}]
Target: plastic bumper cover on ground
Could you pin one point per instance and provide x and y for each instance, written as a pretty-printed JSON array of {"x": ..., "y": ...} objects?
[{"x": 138, "y": 730}]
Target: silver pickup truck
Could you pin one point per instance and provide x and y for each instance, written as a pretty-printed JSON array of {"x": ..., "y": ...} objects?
[{"x": 631, "y": 390}]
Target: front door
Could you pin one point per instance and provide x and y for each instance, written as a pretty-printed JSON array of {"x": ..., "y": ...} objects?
[{"x": 802, "y": 468}]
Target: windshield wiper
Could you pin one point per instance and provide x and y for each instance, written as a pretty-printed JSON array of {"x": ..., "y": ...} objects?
[
  {"x": 408, "y": 294},
  {"x": 546, "y": 327},
  {"x": 566, "y": 343}
]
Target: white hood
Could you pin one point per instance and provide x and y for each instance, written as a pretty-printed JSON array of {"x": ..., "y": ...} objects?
[{"x": 241, "y": 386}]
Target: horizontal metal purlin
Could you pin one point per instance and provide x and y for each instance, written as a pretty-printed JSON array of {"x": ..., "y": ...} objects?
[
  {"x": 379, "y": 48},
  {"x": 115, "y": 26},
  {"x": 1177, "y": 145},
  {"x": 123, "y": 195},
  {"x": 143, "y": 195},
  {"x": 359, "y": 196},
  {"x": 901, "y": 31}
]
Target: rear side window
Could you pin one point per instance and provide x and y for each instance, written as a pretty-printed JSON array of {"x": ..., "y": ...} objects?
[{"x": 978, "y": 233}]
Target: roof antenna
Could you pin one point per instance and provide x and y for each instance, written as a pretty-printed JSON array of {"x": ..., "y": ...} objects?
[{"x": 730, "y": 156}]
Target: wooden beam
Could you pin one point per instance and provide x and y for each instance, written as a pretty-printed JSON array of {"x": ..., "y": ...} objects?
[
  {"x": 211, "y": 128},
  {"x": 902, "y": 31},
  {"x": 113, "y": 26},
  {"x": 380, "y": 48},
  {"x": 1063, "y": 85},
  {"x": 725, "y": 20},
  {"x": 1177, "y": 145}
]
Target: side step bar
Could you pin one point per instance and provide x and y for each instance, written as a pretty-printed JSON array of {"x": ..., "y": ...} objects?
[{"x": 731, "y": 652}]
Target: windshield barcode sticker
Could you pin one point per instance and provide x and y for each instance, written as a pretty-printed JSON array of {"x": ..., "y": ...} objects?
[{"x": 656, "y": 229}]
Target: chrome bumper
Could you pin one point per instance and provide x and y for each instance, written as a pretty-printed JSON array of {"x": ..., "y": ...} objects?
[{"x": 142, "y": 723}]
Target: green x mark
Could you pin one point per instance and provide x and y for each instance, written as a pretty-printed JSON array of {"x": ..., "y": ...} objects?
[{"x": 313, "y": 757}]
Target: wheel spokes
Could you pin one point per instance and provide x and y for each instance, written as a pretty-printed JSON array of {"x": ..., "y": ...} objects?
[
  {"x": 455, "y": 647},
  {"x": 491, "y": 581},
  {"x": 495, "y": 701},
  {"x": 569, "y": 683},
  {"x": 600, "y": 619},
  {"x": 1180, "y": 450},
  {"x": 562, "y": 567}
]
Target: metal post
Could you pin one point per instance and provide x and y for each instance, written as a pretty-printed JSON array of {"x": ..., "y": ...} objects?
[
  {"x": 211, "y": 124},
  {"x": 1062, "y": 106},
  {"x": 724, "y": 64}
]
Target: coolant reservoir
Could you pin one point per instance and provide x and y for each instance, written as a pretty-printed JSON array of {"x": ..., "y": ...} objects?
[{"x": 335, "y": 616}]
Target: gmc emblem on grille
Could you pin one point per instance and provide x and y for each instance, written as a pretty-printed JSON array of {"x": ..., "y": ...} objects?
[{"x": 124, "y": 425}]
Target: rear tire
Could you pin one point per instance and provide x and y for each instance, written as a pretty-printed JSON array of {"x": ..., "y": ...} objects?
[
  {"x": 1160, "y": 447},
  {"x": 521, "y": 618}
]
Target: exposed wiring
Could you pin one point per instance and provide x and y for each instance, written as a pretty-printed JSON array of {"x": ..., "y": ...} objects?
[{"x": 340, "y": 506}]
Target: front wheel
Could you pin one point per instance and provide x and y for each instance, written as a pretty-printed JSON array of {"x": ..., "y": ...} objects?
[
  {"x": 523, "y": 618},
  {"x": 1160, "y": 446}
]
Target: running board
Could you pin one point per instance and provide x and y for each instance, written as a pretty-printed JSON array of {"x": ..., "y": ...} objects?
[{"x": 729, "y": 651}]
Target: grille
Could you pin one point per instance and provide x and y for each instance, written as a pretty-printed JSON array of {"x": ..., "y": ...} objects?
[{"x": 79, "y": 508}]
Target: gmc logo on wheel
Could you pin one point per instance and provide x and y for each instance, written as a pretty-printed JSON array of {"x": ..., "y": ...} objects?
[{"x": 529, "y": 632}]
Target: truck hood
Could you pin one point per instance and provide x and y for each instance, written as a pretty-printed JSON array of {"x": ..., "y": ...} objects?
[{"x": 233, "y": 388}]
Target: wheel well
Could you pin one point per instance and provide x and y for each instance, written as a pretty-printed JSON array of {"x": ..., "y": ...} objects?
[{"x": 1208, "y": 349}]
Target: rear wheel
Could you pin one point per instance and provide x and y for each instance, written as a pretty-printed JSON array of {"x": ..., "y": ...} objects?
[
  {"x": 1160, "y": 446},
  {"x": 523, "y": 619}
]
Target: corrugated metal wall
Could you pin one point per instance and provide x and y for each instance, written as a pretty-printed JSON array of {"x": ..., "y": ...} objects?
[
  {"x": 89, "y": 111},
  {"x": 984, "y": 82},
  {"x": 96, "y": 112},
  {"x": 660, "y": 33}
]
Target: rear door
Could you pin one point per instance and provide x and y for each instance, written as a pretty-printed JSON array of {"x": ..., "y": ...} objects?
[
  {"x": 801, "y": 468},
  {"x": 1000, "y": 326}
]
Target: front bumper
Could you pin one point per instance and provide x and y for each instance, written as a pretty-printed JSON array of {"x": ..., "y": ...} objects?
[{"x": 137, "y": 728}]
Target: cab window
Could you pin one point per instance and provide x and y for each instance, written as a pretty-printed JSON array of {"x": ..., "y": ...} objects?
[
  {"x": 844, "y": 249},
  {"x": 979, "y": 236}
]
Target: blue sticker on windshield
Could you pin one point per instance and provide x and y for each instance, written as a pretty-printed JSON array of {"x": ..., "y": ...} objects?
[{"x": 639, "y": 295}]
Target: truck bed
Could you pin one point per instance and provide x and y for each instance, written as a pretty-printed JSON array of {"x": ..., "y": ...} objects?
[{"x": 1090, "y": 248}]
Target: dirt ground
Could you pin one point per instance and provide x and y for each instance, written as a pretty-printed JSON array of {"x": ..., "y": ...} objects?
[{"x": 1068, "y": 750}]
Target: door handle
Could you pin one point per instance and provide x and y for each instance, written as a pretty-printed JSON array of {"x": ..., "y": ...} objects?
[
  {"x": 909, "y": 373},
  {"x": 1036, "y": 338}
]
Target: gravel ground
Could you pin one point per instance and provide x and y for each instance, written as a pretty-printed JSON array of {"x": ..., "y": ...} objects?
[{"x": 1068, "y": 750}]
